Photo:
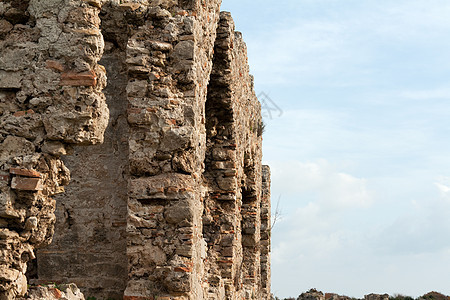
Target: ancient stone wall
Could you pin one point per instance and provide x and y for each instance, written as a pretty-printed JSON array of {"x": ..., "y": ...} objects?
[
  {"x": 174, "y": 203},
  {"x": 231, "y": 218},
  {"x": 50, "y": 98},
  {"x": 89, "y": 245}
]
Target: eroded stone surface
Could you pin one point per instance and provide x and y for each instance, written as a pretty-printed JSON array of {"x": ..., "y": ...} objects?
[
  {"x": 54, "y": 292},
  {"x": 39, "y": 115}
]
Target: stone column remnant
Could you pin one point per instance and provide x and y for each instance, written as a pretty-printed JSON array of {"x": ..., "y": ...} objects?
[
  {"x": 266, "y": 227},
  {"x": 231, "y": 219},
  {"x": 50, "y": 98},
  {"x": 169, "y": 59}
]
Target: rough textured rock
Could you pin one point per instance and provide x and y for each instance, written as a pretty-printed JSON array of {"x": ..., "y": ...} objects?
[
  {"x": 312, "y": 294},
  {"x": 54, "y": 292},
  {"x": 173, "y": 202},
  {"x": 50, "y": 97}
]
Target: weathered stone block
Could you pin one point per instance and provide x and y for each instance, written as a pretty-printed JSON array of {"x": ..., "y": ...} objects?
[
  {"x": 184, "y": 50},
  {"x": 10, "y": 80},
  {"x": 179, "y": 212}
]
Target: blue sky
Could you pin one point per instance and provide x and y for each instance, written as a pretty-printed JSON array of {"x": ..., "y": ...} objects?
[{"x": 360, "y": 157}]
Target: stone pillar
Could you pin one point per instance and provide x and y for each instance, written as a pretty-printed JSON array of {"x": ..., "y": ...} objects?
[
  {"x": 231, "y": 221},
  {"x": 89, "y": 244},
  {"x": 50, "y": 97},
  {"x": 169, "y": 54},
  {"x": 266, "y": 228}
]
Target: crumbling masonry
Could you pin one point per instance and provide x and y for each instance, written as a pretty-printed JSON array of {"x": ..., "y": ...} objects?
[{"x": 171, "y": 201}]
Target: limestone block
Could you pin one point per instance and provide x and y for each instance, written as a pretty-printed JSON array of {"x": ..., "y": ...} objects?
[
  {"x": 14, "y": 146},
  {"x": 151, "y": 254},
  {"x": 178, "y": 213},
  {"x": 137, "y": 88},
  {"x": 221, "y": 154},
  {"x": 176, "y": 138},
  {"x": 139, "y": 222},
  {"x": 142, "y": 116},
  {"x": 178, "y": 282},
  {"x": 6, "y": 206},
  {"x": 49, "y": 28},
  {"x": 227, "y": 183},
  {"x": 185, "y": 161},
  {"x": 40, "y": 8},
  {"x": 72, "y": 126},
  {"x": 184, "y": 50},
  {"x": 8, "y": 274},
  {"x": 54, "y": 147},
  {"x": 26, "y": 124},
  {"x": 227, "y": 197},
  {"x": 171, "y": 186},
  {"x": 227, "y": 240},
  {"x": 10, "y": 80}
]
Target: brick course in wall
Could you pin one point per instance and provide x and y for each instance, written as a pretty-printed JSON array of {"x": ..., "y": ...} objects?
[{"x": 173, "y": 203}]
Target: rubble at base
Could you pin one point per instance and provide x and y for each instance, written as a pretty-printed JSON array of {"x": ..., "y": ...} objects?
[{"x": 54, "y": 292}]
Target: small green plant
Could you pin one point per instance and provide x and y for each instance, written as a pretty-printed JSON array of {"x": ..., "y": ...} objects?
[{"x": 91, "y": 298}]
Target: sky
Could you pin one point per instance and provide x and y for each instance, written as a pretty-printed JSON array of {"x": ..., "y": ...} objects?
[{"x": 357, "y": 99}]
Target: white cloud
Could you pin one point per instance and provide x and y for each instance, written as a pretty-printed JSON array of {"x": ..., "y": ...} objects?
[
  {"x": 351, "y": 45},
  {"x": 321, "y": 183},
  {"x": 443, "y": 186}
]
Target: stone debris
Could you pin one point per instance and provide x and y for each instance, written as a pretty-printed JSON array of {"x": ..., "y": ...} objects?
[
  {"x": 170, "y": 200},
  {"x": 54, "y": 292}
]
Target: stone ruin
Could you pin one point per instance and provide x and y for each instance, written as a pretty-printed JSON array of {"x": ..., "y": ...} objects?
[{"x": 171, "y": 201}]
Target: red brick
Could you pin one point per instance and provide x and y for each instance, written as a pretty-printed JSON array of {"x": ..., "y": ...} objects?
[
  {"x": 171, "y": 122},
  {"x": 56, "y": 293},
  {"x": 119, "y": 224},
  {"x": 182, "y": 269},
  {"x": 25, "y": 172},
  {"x": 52, "y": 64},
  {"x": 226, "y": 261},
  {"x": 27, "y": 184},
  {"x": 186, "y": 236},
  {"x": 78, "y": 79},
  {"x": 23, "y": 113}
]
